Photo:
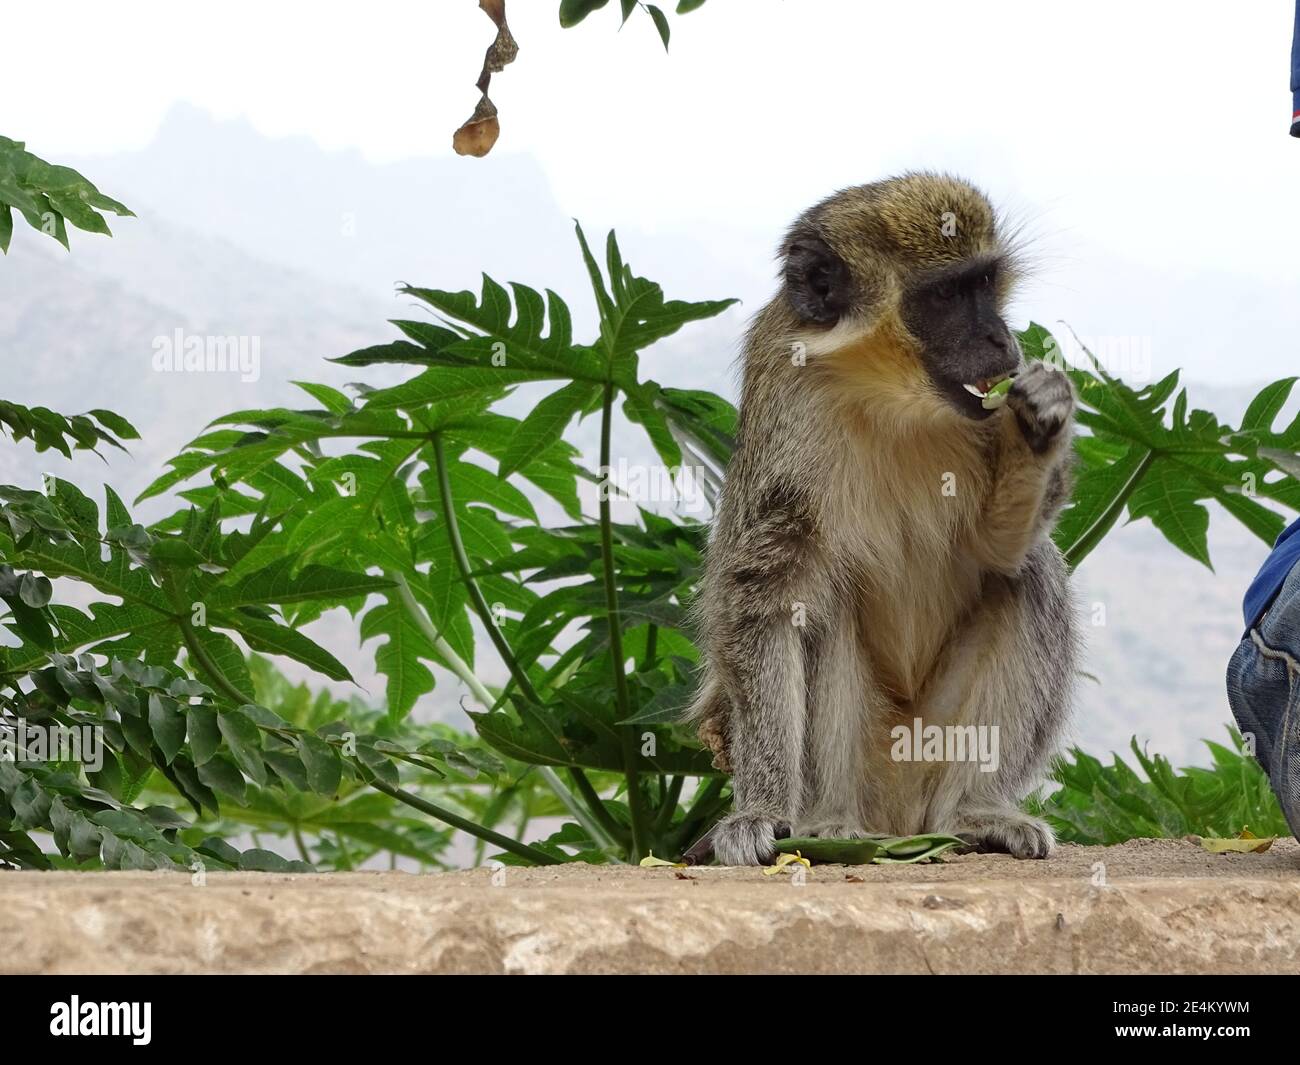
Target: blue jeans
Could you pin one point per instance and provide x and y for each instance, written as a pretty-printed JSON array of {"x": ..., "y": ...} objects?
[
  {"x": 1264, "y": 693},
  {"x": 1295, "y": 73}
]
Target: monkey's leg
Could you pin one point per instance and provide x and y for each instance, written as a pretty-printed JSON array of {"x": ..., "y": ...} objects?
[
  {"x": 1009, "y": 674},
  {"x": 842, "y": 701}
]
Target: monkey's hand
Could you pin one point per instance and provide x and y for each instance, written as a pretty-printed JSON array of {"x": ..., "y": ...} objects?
[
  {"x": 1042, "y": 402},
  {"x": 1032, "y": 478},
  {"x": 743, "y": 838}
]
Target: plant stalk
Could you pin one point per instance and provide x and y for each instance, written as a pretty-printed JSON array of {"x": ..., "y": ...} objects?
[
  {"x": 421, "y": 620},
  {"x": 651, "y": 647},
  {"x": 635, "y": 800},
  {"x": 521, "y": 850},
  {"x": 471, "y": 586},
  {"x": 589, "y": 794},
  {"x": 665, "y": 816},
  {"x": 595, "y": 827},
  {"x": 462, "y": 670},
  {"x": 704, "y": 804}
]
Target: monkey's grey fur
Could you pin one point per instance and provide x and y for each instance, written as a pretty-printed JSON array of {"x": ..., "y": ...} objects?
[{"x": 881, "y": 549}]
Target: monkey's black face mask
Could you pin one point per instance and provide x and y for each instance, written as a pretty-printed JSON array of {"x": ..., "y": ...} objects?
[{"x": 966, "y": 347}]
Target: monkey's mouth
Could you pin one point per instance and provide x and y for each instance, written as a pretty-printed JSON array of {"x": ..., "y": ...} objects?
[
  {"x": 985, "y": 386},
  {"x": 980, "y": 398}
]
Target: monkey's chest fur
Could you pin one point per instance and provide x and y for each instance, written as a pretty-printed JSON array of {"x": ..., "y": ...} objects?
[
  {"x": 902, "y": 521},
  {"x": 902, "y": 518}
]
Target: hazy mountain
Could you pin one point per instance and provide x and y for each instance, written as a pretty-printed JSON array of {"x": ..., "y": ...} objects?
[
  {"x": 85, "y": 328},
  {"x": 437, "y": 222},
  {"x": 246, "y": 237}
]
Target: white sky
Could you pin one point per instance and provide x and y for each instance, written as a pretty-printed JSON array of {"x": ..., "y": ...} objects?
[{"x": 1149, "y": 132}]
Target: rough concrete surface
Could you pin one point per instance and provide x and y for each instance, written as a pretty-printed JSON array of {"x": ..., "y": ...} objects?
[{"x": 1149, "y": 906}]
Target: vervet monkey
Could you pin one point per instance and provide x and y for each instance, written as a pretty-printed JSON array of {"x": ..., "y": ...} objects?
[{"x": 880, "y": 553}]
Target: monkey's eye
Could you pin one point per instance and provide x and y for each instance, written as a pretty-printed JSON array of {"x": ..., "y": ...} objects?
[{"x": 944, "y": 292}]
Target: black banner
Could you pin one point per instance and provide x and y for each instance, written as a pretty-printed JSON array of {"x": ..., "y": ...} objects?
[{"x": 143, "y": 1014}]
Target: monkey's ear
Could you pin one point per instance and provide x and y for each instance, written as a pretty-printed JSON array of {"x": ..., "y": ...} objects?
[{"x": 817, "y": 282}]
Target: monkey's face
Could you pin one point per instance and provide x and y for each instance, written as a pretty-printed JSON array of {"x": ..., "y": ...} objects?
[
  {"x": 941, "y": 336},
  {"x": 899, "y": 286},
  {"x": 965, "y": 346}
]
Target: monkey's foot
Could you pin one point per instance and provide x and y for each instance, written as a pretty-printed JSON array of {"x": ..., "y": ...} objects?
[
  {"x": 747, "y": 839},
  {"x": 1007, "y": 831}
]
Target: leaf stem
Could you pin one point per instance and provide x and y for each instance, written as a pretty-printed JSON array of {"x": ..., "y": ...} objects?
[
  {"x": 345, "y": 855},
  {"x": 704, "y": 804},
  {"x": 635, "y": 800},
  {"x": 302, "y": 844},
  {"x": 200, "y": 655},
  {"x": 593, "y": 800},
  {"x": 421, "y": 620},
  {"x": 705, "y": 797},
  {"x": 591, "y": 823},
  {"x": 651, "y": 647},
  {"x": 597, "y": 828},
  {"x": 669, "y": 807},
  {"x": 1101, "y": 525},
  {"x": 521, "y": 850},
  {"x": 461, "y": 558}
]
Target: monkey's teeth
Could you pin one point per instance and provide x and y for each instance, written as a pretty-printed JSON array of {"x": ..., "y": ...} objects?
[{"x": 977, "y": 393}]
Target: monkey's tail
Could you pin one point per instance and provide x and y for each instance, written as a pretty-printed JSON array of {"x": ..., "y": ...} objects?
[{"x": 710, "y": 713}]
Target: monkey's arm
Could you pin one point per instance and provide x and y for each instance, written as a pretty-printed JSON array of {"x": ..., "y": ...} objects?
[
  {"x": 1031, "y": 482},
  {"x": 765, "y": 742},
  {"x": 761, "y": 581}
]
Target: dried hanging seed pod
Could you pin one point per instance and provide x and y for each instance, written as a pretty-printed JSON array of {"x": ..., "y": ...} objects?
[{"x": 480, "y": 131}]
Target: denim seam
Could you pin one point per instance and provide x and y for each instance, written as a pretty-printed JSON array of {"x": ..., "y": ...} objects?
[{"x": 1292, "y": 666}]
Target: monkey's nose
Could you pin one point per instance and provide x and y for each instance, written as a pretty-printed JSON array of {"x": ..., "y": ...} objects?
[{"x": 1000, "y": 341}]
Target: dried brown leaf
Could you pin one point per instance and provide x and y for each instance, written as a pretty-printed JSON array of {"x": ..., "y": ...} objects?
[{"x": 1246, "y": 843}]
